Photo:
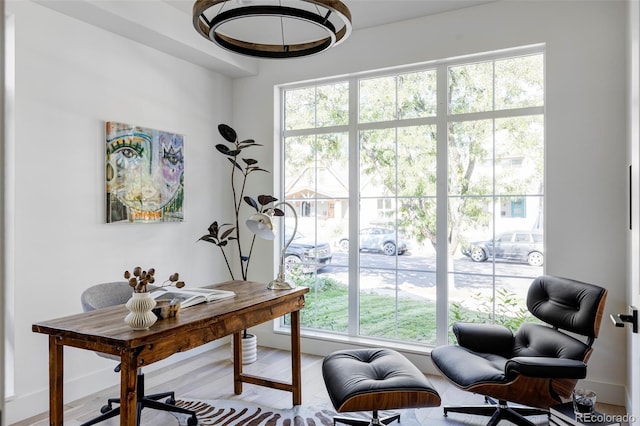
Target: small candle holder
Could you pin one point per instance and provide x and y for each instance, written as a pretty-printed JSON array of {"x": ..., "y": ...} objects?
[
  {"x": 166, "y": 309},
  {"x": 584, "y": 402}
]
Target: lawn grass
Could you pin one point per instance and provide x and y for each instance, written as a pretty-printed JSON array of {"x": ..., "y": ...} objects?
[{"x": 385, "y": 316}]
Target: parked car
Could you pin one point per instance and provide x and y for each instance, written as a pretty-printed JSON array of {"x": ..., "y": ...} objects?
[
  {"x": 518, "y": 246},
  {"x": 307, "y": 253},
  {"x": 378, "y": 239}
]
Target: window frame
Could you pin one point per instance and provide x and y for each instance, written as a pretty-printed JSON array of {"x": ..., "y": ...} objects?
[{"x": 441, "y": 120}]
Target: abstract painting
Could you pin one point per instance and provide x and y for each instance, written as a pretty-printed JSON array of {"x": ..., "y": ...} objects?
[{"x": 144, "y": 174}]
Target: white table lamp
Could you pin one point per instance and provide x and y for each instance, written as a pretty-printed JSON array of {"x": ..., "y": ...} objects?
[{"x": 261, "y": 224}]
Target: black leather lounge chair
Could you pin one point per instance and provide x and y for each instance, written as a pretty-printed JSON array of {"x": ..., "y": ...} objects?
[{"x": 539, "y": 365}]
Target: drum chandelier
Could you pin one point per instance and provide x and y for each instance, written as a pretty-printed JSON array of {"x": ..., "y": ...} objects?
[{"x": 273, "y": 28}]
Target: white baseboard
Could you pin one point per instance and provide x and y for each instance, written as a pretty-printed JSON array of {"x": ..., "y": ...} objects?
[
  {"x": 26, "y": 406},
  {"x": 607, "y": 393}
]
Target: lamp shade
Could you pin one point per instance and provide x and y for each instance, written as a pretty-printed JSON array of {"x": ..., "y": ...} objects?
[{"x": 262, "y": 226}]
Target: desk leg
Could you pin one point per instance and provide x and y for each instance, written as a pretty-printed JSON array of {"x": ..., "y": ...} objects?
[
  {"x": 237, "y": 363},
  {"x": 296, "y": 364},
  {"x": 56, "y": 414},
  {"x": 128, "y": 389}
]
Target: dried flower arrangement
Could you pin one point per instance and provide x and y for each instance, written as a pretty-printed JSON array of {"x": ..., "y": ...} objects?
[
  {"x": 140, "y": 278},
  {"x": 173, "y": 281}
]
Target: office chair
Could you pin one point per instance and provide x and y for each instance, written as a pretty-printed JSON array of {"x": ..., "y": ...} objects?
[
  {"x": 118, "y": 293},
  {"x": 539, "y": 365}
]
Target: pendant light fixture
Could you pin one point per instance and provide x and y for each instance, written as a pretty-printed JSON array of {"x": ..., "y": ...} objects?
[{"x": 273, "y": 28}]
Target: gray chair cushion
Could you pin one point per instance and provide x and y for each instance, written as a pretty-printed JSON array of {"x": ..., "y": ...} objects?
[{"x": 107, "y": 294}]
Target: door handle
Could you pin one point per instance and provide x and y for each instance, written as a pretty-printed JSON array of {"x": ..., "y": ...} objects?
[{"x": 632, "y": 318}]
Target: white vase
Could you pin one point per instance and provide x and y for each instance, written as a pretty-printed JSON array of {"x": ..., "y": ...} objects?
[
  {"x": 140, "y": 316},
  {"x": 249, "y": 349}
]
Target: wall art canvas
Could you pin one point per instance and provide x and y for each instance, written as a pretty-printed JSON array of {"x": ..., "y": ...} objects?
[{"x": 144, "y": 174}]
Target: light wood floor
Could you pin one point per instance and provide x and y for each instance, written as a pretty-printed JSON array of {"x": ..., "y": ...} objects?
[{"x": 210, "y": 376}]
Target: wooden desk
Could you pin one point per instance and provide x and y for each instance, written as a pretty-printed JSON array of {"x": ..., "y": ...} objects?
[{"x": 104, "y": 331}]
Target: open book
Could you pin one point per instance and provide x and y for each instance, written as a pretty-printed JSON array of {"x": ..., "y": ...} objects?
[{"x": 190, "y": 296}]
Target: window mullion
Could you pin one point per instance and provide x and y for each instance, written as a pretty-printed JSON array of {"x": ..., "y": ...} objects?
[
  {"x": 354, "y": 211},
  {"x": 442, "y": 199}
]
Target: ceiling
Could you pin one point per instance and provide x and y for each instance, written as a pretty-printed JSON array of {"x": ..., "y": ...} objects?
[
  {"x": 166, "y": 24},
  {"x": 371, "y": 13}
]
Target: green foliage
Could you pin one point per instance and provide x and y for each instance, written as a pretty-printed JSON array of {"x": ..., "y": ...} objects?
[
  {"x": 314, "y": 282},
  {"x": 403, "y": 318},
  {"x": 317, "y": 106},
  {"x": 326, "y": 303},
  {"x": 510, "y": 311},
  {"x": 401, "y": 161}
]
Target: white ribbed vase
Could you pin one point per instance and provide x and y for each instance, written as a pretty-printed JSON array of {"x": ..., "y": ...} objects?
[
  {"x": 140, "y": 316},
  {"x": 249, "y": 349}
]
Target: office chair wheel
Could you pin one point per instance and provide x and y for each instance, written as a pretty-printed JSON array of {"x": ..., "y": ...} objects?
[
  {"x": 193, "y": 421},
  {"x": 106, "y": 408},
  {"x": 170, "y": 401}
]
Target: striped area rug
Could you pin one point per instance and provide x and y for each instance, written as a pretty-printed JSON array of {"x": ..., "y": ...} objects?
[{"x": 240, "y": 413}]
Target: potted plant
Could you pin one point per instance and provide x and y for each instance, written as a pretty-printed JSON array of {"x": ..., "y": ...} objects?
[{"x": 227, "y": 236}]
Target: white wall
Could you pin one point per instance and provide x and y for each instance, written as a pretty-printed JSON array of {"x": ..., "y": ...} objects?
[
  {"x": 70, "y": 78},
  {"x": 633, "y": 241},
  {"x": 3, "y": 97},
  {"x": 586, "y": 129}
]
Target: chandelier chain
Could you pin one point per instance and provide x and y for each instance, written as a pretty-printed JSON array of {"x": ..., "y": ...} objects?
[
  {"x": 282, "y": 27},
  {"x": 222, "y": 5}
]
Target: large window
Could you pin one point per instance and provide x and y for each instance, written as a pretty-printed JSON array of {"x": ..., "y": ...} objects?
[{"x": 419, "y": 193}]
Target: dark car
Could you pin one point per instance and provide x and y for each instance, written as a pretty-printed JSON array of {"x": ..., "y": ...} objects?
[
  {"x": 307, "y": 253},
  {"x": 518, "y": 246},
  {"x": 378, "y": 239}
]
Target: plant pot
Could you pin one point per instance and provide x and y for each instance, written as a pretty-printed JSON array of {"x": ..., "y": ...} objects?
[
  {"x": 249, "y": 349},
  {"x": 140, "y": 316}
]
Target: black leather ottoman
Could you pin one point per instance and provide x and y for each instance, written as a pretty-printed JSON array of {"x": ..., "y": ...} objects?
[{"x": 375, "y": 379}]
